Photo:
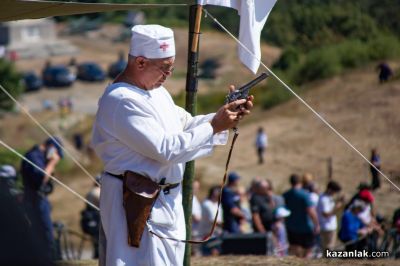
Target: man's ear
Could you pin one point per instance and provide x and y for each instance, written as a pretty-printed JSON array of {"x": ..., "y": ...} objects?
[{"x": 141, "y": 62}]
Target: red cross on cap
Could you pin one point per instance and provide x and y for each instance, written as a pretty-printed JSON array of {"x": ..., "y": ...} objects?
[{"x": 164, "y": 46}]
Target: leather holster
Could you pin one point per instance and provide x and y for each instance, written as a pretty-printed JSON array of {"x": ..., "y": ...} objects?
[{"x": 140, "y": 193}]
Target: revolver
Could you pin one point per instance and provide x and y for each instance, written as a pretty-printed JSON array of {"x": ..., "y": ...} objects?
[{"x": 243, "y": 91}]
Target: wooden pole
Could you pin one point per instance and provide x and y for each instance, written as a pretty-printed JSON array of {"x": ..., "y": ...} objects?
[
  {"x": 190, "y": 106},
  {"x": 330, "y": 168}
]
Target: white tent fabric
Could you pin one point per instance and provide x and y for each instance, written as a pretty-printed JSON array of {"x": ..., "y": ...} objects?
[{"x": 29, "y": 9}]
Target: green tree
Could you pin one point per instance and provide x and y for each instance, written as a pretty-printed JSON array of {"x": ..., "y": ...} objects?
[{"x": 10, "y": 80}]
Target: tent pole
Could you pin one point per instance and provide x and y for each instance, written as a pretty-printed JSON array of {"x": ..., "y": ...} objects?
[{"x": 190, "y": 106}]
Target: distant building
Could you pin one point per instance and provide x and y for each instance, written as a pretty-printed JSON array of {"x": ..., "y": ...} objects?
[{"x": 32, "y": 38}]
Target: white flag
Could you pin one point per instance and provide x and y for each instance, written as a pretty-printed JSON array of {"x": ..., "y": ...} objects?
[{"x": 253, "y": 15}]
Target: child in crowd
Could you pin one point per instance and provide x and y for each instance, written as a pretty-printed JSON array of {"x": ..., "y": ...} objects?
[{"x": 279, "y": 232}]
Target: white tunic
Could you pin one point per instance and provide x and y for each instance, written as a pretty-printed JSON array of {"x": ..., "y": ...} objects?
[{"x": 145, "y": 132}]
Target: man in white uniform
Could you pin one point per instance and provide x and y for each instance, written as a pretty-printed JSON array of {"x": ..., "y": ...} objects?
[{"x": 139, "y": 128}]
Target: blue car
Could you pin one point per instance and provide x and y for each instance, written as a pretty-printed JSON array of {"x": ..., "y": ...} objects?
[
  {"x": 116, "y": 68},
  {"x": 57, "y": 76},
  {"x": 31, "y": 81},
  {"x": 90, "y": 72}
]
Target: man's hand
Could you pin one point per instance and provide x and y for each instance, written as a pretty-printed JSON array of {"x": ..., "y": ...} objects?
[
  {"x": 50, "y": 166},
  {"x": 229, "y": 115},
  {"x": 317, "y": 229}
]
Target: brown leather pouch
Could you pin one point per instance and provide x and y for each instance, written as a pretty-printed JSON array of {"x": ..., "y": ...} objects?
[{"x": 140, "y": 193}]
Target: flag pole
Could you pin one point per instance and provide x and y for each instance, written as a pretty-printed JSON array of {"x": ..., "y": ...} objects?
[{"x": 195, "y": 12}]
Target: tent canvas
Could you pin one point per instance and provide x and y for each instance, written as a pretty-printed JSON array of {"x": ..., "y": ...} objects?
[{"x": 25, "y": 9}]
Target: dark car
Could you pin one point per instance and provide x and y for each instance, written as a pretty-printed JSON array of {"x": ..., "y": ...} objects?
[
  {"x": 31, "y": 81},
  {"x": 208, "y": 69},
  {"x": 116, "y": 68},
  {"x": 57, "y": 76},
  {"x": 90, "y": 72}
]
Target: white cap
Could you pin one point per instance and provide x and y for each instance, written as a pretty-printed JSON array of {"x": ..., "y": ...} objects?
[
  {"x": 152, "y": 41},
  {"x": 358, "y": 204},
  {"x": 8, "y": 171},
  {"x": 281, "y": 212}
]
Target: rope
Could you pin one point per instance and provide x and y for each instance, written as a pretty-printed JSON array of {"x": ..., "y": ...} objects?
[
  {"x": 52, "y": 177},
  {"x": 302, "y": 101},
  {"x": 47, "y": 133}
]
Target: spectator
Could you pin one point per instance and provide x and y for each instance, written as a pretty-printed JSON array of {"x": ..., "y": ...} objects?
[
  {"x": 20, "y": 240},
  {"x": 209, "y": 210},
  {"x": 352, "y": 228},
  {"x": 396, "y": 217},
  {"x": 8, "y": 178},
  {"x": 263, "y": 203},
  {"x": 47, "y": 105},
  {"x": 279, "y": 232},
  {"x": 72, "y": 66},
  {"x": 245, "y": 224},
  {"x": 78, "y": 141},
  {"x": 37, "y": 186},
  {"x": 368, "y": 218},
  {"x": 361, "y": 186},
  {"x": 302, "y": 225},
  {"x": 376, "y": 161},
  {"x": 261, "y": 144},
  {"x": 326, "y": 209},
  {"x": 196, "y": 216},
  {"x": 72, "y": 62},
  {"x": 278, "y": 200},
  {"x": 262, "y": 207},
  {"x": 47, "y": 65},
  {"x": 385, "y": 72},
  {"x": 367, "y": 214},
  {"x": 232, "y": 213},
  {"x": 90, "y": 217},
  {"x": 310, "y": 187},
  {"x": 254, "y": 184}
]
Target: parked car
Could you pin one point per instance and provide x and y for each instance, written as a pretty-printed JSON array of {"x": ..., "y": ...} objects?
[
  {"x": 90, "y": 71},
  {"x": 57, "y": 76},
  {"x": 115, "y": 68},
  {"x": 208, "y": 69},
  {"x": 31, "y": 81}
]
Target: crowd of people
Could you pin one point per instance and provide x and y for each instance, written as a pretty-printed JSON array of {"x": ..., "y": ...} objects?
[{"x": 302, "y": 221}]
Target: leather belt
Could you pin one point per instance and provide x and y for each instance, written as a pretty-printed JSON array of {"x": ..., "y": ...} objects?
[
  {"x": 166, "y": 187},
  {"x": 120, "y": 177}
]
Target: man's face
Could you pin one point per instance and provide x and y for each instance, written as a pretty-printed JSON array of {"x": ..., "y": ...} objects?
[
  {"x": 156, "y": 72},
  {"x": 264, "y": 187}
]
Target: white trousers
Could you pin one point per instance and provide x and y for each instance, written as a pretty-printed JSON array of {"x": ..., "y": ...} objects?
[{"x": 153, "y": 251}]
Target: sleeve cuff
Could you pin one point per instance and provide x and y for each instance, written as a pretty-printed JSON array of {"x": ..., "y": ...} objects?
[{"x": 220, "y": 138}]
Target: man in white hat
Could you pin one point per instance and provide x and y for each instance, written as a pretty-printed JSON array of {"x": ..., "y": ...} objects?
[{"x": 138, "y": 128}]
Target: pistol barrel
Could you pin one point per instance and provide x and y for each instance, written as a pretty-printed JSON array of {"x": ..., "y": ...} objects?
[{"x": 254, "y": 82}]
